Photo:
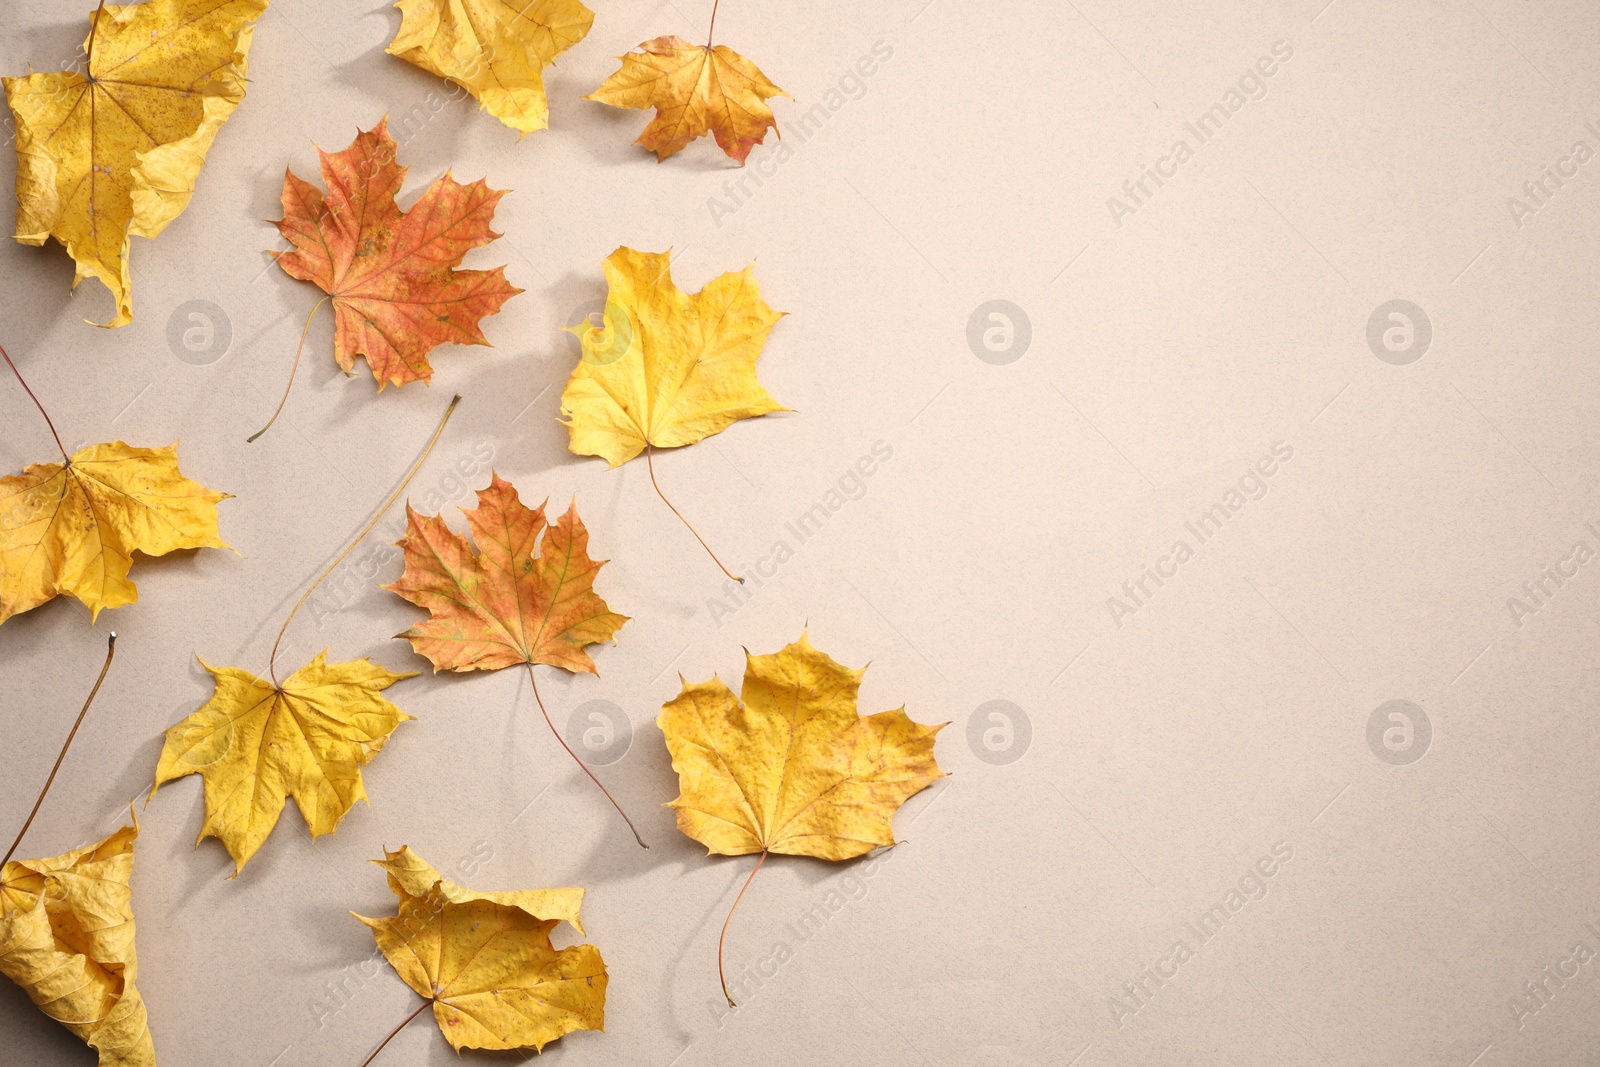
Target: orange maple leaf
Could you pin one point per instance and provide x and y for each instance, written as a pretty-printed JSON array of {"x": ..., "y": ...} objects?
[
  {"x": 504, "y": 605},
  {"x": 514, "y": 601},
  {"x": 391, "y": 273}
]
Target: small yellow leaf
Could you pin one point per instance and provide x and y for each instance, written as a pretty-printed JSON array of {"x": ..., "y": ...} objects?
[
  {"x": 496, "y": 49},
  {"x": 256, "y": 744},
  {"x": 73, "y": 528},
  {"x": 485, "y": 959},
  {"x": 66, "y": 937},
  {"x": 793, "y": 768},
  {"x": 696, "y": 89},
  {"x": 116, "y": 153},
  {"x": 666, "y": 368}
]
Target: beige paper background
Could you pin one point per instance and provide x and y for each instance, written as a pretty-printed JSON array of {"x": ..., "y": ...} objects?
[{"x": 1227, "y": 715}]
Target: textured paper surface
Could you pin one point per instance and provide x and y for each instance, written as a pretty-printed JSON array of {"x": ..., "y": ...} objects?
[{"x": 1148, "y": 761}]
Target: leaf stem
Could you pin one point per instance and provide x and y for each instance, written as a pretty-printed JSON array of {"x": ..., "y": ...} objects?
[
  {"x": 535, "y": 681},
  {"x": 650, "y": 461},
  {"x": 88, "y": 53},
  {"x": 36, "y": 404},
  {"x": 720, "y": 972},
  {"x": 294, "y": 369},
  {"x": 710, "y": 33},
  {"x": 111, "y": 649},
  {"x": 425, "y": 1005},
  {"x": 272, "y": 663}
]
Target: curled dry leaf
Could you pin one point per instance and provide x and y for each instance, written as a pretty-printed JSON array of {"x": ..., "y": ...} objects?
[
  {"x": 117, "y": 153},
  {"x": 72, "y": 528},
  {"x": 496, "y": 49},
  {"x": 392, "y": 274},
  {"x": 666, "y": 368},
  {"x": 409, "y": 874},
  {"x": 485, "y": 960},
  {"x": 256, "y": 745},
  {"x": 66, "y": 937},
  {"x": 695, "y": 89}
]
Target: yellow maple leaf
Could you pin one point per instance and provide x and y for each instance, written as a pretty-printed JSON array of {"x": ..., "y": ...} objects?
[
  {"x": 792, "y": 768},
  {"x": 73, "y": 528},
  {"x": 116, "y": 153},
  {"x": 666, "y": 368},
  {"x": 495, "y": 49},
  {"x": 695, "y": 89},
  {"x": 257, "y": 744},
  {"x": 66, "y": 937},
  {"x": 484, "y": 961}
]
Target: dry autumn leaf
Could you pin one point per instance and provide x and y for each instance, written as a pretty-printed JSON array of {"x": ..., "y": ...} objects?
[
  {"x": 72, "y": 527},
  {"x": 504, "y": 605},
  {"x": 66, "y": 930},
  {"x": 496, "y": 49},
  {"x": 66, "y": 937},
  {"x": 256, "y": 744},
  {"x": 792, "y": 767},
  {"x": 410, "y": 874},
  {"x": 116, "y": 153},
  {"x": 665, "y": 368},
  {"x": 695, "y": 89},
  {"x": 485, "y": 962},
  {"x": 517, "y": 600},
  {"x": 392, "y": 274}
]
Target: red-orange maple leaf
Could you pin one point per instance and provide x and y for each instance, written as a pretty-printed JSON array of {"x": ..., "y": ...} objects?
[
  {"x": 517, "y": 600},
  {"x": 392, "y": 274},
  {"x": 504, "y": 605}
]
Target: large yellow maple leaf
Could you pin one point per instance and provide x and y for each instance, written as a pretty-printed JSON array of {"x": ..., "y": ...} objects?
[
  {"x": 484, "y": 961},
  {"x": 496, "y": 49},
  {"x": 695, "y": 89},
  {"x": 666, "y": 368},
  {"x": 257, "y": 744},
  {"x": 513, "y": 601},
  {"x": 115, "y": 153},
  {"x": 72, "y": 528},
  {"x": 792, "y": 768},
  {"x": 66, "y": 937}
]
